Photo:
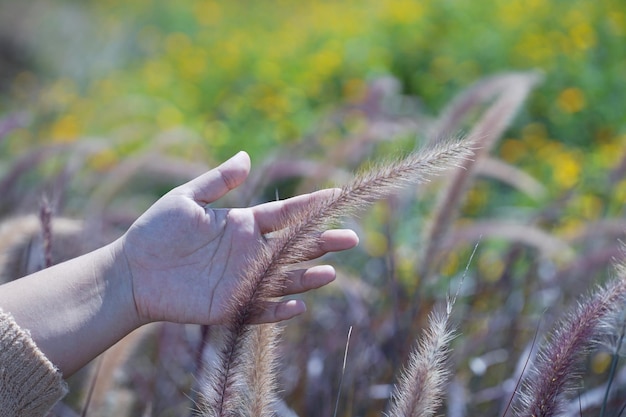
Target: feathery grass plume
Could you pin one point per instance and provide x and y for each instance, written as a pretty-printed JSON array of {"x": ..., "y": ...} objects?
[
  {"x": 296, "y": 242},
  {"x": 421, "y": 386},
  {"x": 224, "y": 391},
  {"x": 262, "y": 374},
  {"x": 557, "y": 367},
  {"x": 420, "y": 390},
  {"x": 487, "y": 130}
]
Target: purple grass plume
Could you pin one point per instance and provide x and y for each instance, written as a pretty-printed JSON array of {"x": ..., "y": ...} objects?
[{"x": 557, "y": 371}]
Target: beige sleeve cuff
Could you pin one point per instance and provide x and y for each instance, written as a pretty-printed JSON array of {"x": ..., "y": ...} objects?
[{"x": 29, "y": 383}]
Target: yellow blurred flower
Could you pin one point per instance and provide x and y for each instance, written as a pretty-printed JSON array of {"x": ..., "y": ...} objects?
[
  {"x": 535, "y": 135},
  {"x": 571, "y": 100},
  {"x": 193, "y": 64},
  {"x": 207, "y": 12},
  {"x": 600, "y": 362},
  {"x": 570, "y": 226},
  {"x": 169, "y": 117},
  {"x": 103, "y": 160},
  {"x": 376, "y": 244},
  {"x": 617, "y": 22},
  {"x": 326, "y": 61},
  {"x": 450, "y": 264},
  {"x": 512, "y": 150},
  {"x": 66, "y": 129},
  {"x": 404, "y": 11},
  {"x": 177, "y": 43},
  {"x": 157, "y": 74},
  {"x": 565, "y": 168},
  {"x": 354, "y": 89},
  {"x": 216, "y": 133},
  {"x": 536, "y": 48},
  {"x": 619, "y": 192},
  {"x": 610, "y": 153},
  {"x": 490, "y": 266},
  {"x": 583, "y": 36},
  {"x": 477, "y": 198},
  {"x": 590, "y": 206},
  {"x": 60, "y": 94}
]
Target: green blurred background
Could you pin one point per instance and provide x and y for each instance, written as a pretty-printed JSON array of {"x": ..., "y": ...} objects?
[
  {"x": 203, "y": 79},
  {"x": 255, "y": 75}
]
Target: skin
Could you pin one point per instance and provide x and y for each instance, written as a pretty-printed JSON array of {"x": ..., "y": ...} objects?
[{"x": 179, "y": 262}]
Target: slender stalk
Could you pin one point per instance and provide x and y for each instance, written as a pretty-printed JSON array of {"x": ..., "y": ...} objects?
[{"x": 343, "y": 371}]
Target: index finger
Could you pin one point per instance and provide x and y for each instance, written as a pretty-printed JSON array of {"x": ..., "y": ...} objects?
[{"x": 272, "y": 216}]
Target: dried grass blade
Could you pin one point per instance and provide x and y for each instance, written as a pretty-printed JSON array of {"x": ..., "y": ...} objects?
[
  {"x": 449, "y": 122},
  {"x": 544, "y": 242},
  {"x": 485, "y": 134},
  {"x": 513, "y": 176}
]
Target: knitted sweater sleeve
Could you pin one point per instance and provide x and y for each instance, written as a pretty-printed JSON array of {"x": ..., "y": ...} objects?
[{"x": 29, "y": 383}]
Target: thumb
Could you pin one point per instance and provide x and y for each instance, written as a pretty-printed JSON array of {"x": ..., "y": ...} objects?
[{"x": 214, "y": 184}]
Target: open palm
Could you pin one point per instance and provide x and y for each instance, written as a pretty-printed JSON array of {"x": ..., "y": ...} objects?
[{"x": 187, "y": 259}]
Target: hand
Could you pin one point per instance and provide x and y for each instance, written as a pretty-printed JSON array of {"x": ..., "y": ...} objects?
[{"x": 185, "y": 259}]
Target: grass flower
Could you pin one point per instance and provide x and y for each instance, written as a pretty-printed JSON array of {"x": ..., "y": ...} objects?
[
  {"x": 420, "y": 390},
  {"x": 557, "y": 369}
]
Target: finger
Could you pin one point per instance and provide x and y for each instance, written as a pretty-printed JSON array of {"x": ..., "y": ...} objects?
[
  {"x": 271, "y": 216},
  {"x": 303, "y": 280},
  {"x": 276, "y": 311},
  {"x": 214, "y": 184},
  {"x": 336, "y": 240}
]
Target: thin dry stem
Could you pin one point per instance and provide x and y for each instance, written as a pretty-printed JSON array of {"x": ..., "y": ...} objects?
[{"x": 45, "y": 217}]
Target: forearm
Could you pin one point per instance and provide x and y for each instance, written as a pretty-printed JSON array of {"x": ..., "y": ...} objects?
[{"x": 77, "y": 309}]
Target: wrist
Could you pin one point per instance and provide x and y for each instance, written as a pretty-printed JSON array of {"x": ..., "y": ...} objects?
[
  {"x": 77, "y": 309},
  {"x": 119, "y": 288}
]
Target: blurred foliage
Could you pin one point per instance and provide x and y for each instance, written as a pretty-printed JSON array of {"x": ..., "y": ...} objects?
[{"x": 255, "y": 75}]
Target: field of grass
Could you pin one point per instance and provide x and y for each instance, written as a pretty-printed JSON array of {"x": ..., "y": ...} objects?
[{"x": 105, "y": 105}]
